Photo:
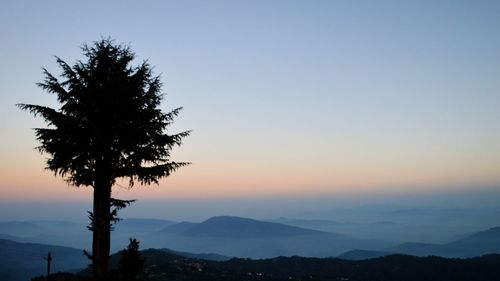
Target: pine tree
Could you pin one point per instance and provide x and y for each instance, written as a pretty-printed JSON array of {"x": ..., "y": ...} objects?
[
  {"x": 109, "y": 126},
  {"x": 131, "y": 263}
]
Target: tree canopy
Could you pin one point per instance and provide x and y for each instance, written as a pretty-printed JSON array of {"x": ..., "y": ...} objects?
[
  {"x": 109, "y": 126},
  {"x": 110, "y": 116}
]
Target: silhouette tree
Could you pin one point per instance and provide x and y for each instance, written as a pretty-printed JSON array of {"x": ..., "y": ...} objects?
[
  {"x": 131, "y": 263},
  {"x": 109, "y": 126}
]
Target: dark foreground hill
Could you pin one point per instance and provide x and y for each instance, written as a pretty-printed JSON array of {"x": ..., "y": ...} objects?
[
  {"x": 21, "y": 261},
  {"x": 162, "y": 266},
  {"x": 389, "y": 268}
]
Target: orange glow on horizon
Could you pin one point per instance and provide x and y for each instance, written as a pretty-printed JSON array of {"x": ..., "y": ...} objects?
[{"x": 306, "y": 174}]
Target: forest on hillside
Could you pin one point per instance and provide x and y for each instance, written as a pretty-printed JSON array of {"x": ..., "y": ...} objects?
[{"x": 163, "y": 266}]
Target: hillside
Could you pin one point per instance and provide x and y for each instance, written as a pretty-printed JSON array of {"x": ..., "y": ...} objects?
[
  {"x": 224, "y": 235},
  {"x": 236, "y": 227},
  {"x": 21, "y": 261},
  {"x": 161, "y": 266},
  {"x": 242, "y": 237},
  {"x": 200, "y": 256},
  {"x": 76, "y": 235},
  {"x": 363, "y": 255},
  {"x": 480, "y": 243}
]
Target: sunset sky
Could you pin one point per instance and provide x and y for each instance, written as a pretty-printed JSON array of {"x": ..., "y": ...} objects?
[{"x": 285, "y": 98}]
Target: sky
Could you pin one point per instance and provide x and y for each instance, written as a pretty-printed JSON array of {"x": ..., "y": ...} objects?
[{"x": 285, "y": 98}]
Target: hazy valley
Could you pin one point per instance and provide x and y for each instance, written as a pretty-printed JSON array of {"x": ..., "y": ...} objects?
[{"x": 25, "y": 244}]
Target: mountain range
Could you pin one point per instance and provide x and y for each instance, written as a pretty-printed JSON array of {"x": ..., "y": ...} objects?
[
  {"x": 243, "y": 237},
  {"x": 477, "y": 244},
  {"x": 236, "y": 227},
  {"x": 220, "y": 238}
]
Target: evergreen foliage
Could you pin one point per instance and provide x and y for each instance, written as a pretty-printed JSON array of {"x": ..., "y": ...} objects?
[
  {"x": 131, "y": 264},
  {"x": 163, "y": 266},
  {"x": 109, "y": 126}
]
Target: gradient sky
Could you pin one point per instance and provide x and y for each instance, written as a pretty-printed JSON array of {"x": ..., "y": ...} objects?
[{"x": 285, "y": 98}]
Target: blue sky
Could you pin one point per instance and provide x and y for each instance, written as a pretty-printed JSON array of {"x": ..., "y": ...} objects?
[{"x": 283, "y": 97}]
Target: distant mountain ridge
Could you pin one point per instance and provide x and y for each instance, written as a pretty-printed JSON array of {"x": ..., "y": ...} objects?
[
  {"x": 224, "y": 237},
  {"x": 489, "y": 235},
  {"x": 234, "y": 227},
  {"x": 144, "y": 223},
  {"x": 363, "y": 254},
  {"x": 231, "y": 236},
  {"x": 245, "y": 237},
  {"x": 201, "y": 256},
  {"x": 20, "y": 228},
  {"x": 477, "y": 244},
  {"x": 75, "y": 234},
  {"x": 177, "y": 228}
]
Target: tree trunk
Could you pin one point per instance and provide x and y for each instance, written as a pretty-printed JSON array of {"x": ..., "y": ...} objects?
[{"x": 101, "y": 233}]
